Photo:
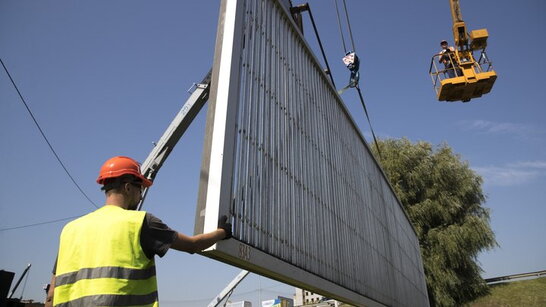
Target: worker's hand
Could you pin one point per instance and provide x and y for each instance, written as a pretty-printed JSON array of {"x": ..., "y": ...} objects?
[{"x": 225, "y": 225}]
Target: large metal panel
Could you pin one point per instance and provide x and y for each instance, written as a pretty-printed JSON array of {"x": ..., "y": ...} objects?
[{"x": 285, "y": 161}]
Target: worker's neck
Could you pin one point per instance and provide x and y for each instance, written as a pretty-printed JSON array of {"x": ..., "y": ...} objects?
[{"x": 118, "y": 200}]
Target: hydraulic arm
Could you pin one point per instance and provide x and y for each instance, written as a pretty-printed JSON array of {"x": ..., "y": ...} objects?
[{"x": 174, "y": 132}]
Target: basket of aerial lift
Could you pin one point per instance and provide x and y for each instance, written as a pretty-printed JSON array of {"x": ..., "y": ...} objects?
[
  {"x": 463, "y": 78},
  {"x": 466, "y": 78}
]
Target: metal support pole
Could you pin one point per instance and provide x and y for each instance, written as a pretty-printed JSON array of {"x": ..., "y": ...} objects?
[
  {"x": 174, "y": 132},
  {"x": 228, "y": 289}
]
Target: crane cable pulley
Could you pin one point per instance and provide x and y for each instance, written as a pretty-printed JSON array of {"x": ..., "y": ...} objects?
[{"x": 352, "y": 62}]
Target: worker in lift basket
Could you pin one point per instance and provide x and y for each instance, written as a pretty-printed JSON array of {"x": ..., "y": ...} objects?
[
  {"x": 447, "y": 56},
  {"x": 106, "y": 258}
]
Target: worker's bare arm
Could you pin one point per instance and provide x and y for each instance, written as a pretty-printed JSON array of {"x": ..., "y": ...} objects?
[
  {"x": 49, "y": 298},
  {"x": 202, "y": 241},
  {"x": 192, "y": 244}
]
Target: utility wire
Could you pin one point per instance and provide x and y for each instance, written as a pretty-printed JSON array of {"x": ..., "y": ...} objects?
[
  {"x": 44, "y": 136},
  {"x": 40, "y": 223}
]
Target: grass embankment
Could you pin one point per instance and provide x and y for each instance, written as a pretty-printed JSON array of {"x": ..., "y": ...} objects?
[{"x": 530, "y": 292}]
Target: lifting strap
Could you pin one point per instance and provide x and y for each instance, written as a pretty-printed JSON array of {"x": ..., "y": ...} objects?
[
  {"x": 352, "y": 62},
  {"x": 369, "y": 122}
]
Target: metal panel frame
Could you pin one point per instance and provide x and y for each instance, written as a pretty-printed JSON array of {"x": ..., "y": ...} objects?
[
  {"x": 382, "y": 218},
  {"x": 215, "y": 179}
]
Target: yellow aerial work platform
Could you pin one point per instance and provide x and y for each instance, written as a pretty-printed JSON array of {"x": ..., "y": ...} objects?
[
  {"x": 467, "y": 78},
  {"x": 462, "y": 78}
]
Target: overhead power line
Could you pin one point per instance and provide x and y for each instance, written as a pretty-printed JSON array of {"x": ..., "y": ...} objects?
[
  {"x": 40, "y": 223},
  {"x": 44, "y": 136}
]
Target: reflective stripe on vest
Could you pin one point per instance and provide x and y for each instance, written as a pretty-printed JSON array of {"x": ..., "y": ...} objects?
[
  {"x": 113, "y": 300},
  {"x": 101, "y": 262},
  {"x": 104, "y": 272}
]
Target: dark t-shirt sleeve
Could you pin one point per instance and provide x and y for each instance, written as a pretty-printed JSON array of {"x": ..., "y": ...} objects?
[{"x": 155, "y": 237}]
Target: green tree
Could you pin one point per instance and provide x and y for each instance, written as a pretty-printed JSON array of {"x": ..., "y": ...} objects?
[{"x": 443, "y": 198}]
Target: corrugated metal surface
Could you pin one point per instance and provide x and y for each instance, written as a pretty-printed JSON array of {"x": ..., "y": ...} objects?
[{"x": 305, "y": 187}]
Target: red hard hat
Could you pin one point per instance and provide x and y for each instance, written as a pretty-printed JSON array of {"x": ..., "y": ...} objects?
[{"x": 119, "y": 166}]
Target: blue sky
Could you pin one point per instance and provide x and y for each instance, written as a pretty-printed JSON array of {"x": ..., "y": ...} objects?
[{"x": 105, "y": 78}]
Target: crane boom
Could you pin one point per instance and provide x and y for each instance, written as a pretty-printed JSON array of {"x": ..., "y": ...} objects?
[
  {"x": 460, "y": 36},
  {"x": 228, "y": 289},
  {"x": 20, "y": 279},
  {"x": 456, "y": 11},
  {"x": 174, "y": 132}
]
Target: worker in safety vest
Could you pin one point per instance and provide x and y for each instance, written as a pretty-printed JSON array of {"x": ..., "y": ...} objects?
[{"x": 106, "y": 258}]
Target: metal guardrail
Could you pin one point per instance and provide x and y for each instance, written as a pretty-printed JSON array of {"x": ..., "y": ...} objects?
[
  {"x": 437, "y": 74},
  {"x": 515, "y": 276}
]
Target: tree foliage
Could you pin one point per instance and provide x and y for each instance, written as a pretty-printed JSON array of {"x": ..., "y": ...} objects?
[{"x": 443, "y": 198}]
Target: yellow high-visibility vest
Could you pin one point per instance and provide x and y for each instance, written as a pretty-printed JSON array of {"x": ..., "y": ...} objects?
[{"x": 101, "y": 262}]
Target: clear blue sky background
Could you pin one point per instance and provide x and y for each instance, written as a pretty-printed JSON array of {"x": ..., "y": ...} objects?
[{"x": 105, "y": 78}]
